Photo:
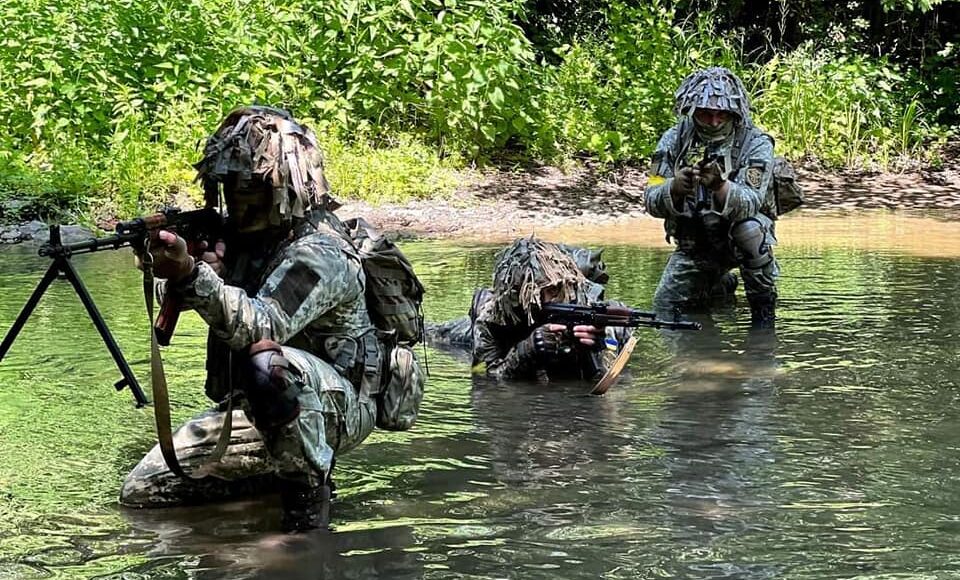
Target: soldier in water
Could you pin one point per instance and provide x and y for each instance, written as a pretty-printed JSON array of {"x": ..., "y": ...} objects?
[
  {"x": 711, "y": 181},
  {"x": 502, "y": 331},
  {"x": 290, "y": 338}
]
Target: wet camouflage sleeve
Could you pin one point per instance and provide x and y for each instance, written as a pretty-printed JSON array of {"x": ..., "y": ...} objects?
[
  {"x": 504, "y": 360},
  {"x": 749, "y": 187},
  {"x": 656, "y": 196},
  {"x": 291, "y": 298},
  {"x": 501, "y": 361}
]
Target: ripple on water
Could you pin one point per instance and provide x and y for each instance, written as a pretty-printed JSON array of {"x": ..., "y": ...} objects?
[{"x": 826, "y": 450}]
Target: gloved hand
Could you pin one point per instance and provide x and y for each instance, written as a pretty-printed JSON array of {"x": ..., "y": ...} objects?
[
  {"x": 682, "y": 184},
  {"x": 170, "y": 257},
  {"x": 546, "y": 342},
  {"x": 710, "y": 175}
]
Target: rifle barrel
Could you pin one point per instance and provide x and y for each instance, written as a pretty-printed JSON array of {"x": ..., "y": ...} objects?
[{"x": 113, "y": 242}]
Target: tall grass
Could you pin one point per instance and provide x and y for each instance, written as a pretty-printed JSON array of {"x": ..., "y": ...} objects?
[
  {"x": 612, "y": 95},
  {"x": 845, "y": 110}
]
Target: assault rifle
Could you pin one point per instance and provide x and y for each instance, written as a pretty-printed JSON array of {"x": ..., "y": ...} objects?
[
  {"x": 704, "y": 199},
  {"x": 605, "y": 315},
  {"x": 194, "y": 226}
]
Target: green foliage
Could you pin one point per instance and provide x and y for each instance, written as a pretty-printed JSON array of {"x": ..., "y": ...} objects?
[
  {"x": 450, "y": 69},
  {"x": 393, "y": 171},
  {"x": 844, "y": 109},
  {"x": 109, "y": 98},
  {"x": 921, "y": 5},
  {"x": 612, "y": 95},
  {"x": 127, "y": 86}
]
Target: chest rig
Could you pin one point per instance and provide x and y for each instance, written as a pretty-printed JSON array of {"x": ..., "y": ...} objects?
[{"x": 359, "y": 359}]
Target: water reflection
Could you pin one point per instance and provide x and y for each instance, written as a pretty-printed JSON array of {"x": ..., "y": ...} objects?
[
  {"x": 715, "y": 430},
  {"x": 237, "y": 540},
  {"x": 830, "y": 451}
]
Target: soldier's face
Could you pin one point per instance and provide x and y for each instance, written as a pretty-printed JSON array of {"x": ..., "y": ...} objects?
[
  {"x": 550, "y": 294},
  {"x": 712, "y": 117},
  {"x": 249, "y": 209},
  {"x": 713, "y": 124}
]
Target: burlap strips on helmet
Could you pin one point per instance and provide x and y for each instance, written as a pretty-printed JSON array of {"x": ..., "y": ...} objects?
[
  {"x": 269, "y": 145},
  {"x": 524, "y": 270}
]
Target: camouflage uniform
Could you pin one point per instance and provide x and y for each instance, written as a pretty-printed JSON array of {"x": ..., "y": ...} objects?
[
  {"x": 503, "y": 320},
  {"x": 303, "y": 288},
  {"x": 711, "y": 240}
]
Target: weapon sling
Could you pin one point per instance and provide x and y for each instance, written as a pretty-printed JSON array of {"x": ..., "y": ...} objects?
[{"x": 161, "y": 399}]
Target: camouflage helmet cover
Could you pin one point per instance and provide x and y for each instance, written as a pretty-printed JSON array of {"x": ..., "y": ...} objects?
[
  {"x": 713, "y": 88},
  {"x": 527, "y": 267},
  {"x": 266, "y": 145}
]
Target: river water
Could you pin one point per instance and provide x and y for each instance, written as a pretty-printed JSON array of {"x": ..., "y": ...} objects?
[{"x": 829, "y": 450}]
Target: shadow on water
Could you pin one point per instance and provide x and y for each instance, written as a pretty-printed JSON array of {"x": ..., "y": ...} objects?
[{"x": 826, "y": 450}]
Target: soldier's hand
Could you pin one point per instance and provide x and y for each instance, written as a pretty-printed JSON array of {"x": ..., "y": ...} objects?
[
  {"x": 682, "y": 184},
  {"x": 170, "y": 258},
  {"x": 214, "y": 257},
  {"x": 710, "y": 175},
  {"x": 547, "y": 341},
  {"x": 589, "y": 336}
]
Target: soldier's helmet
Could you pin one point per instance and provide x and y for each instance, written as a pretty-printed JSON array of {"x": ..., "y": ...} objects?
[
  {"x": 524, "y": 270},
  {"x": 261, "y": 147},
  {"x": 713, "y": 88}
]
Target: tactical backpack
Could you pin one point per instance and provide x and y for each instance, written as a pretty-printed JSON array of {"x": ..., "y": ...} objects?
[
  {"x": 787, "y": 195},
  {"x": 786, "y": 192},
  {"x": 394, "y": 293}
]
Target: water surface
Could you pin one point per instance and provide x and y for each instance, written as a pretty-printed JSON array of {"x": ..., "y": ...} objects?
[{"x": 827, "y": 451}]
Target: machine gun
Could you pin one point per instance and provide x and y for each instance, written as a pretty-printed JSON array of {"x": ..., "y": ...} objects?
[
  {"x": 194, "y": 226},
  {"x": 572, "y": 315}
]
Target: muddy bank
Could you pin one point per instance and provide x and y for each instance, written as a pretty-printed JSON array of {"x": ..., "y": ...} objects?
[
  {"x": 503, "y": 205},
  {"x": 590, "y": 204}
]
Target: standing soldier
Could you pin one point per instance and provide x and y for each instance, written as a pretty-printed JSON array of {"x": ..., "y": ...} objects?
[
  {"x": 711, "y": 182},
  {"x": 290, "y": 335}
]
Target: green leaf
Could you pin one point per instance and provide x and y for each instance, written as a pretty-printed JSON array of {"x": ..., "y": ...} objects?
[
  {"x": 496, "y": 97},
  {"x": 489, "y": 132}
]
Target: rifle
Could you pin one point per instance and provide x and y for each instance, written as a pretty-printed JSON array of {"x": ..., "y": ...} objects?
[
  {"x": 704, "y": 199},
  {"x": 606, "y": 315},
  {"x": 195, "y": 226}
]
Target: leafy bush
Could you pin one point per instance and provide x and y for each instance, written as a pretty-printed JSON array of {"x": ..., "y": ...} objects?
[
  {"x": 130, "y": 85},
  {"x": 844, "y": 109},
  {"x": 612, "y": 95}
]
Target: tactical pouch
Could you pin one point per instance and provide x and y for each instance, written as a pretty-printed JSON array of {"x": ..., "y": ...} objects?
[
  {"x": 399, "y": 401},
  {"x": 788, "y": 194},
  {"x": 393, "y": 291}
]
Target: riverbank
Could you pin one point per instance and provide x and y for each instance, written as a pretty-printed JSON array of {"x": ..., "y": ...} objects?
[
  {"x": 588, "y": 202},
  {"x": 500, "y": 205}
]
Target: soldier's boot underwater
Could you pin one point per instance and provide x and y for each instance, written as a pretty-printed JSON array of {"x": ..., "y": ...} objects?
[
  {"x": 333, "y": 486},
  {"x": 305, "y": 507},
  {"x": 763, "y": 311},
  {"x": 725, "y": 288}
]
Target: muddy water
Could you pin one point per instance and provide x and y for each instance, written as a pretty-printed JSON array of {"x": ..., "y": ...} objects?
[{"x": 827, "y": 450}]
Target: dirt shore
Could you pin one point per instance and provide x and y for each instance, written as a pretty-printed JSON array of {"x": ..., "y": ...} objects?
[{"x": 500, "y": 205}]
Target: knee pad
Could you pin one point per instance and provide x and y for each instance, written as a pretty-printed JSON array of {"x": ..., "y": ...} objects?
[
  {"x": 750, "y": 241},
  {"x": 272, "y": 386}
]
